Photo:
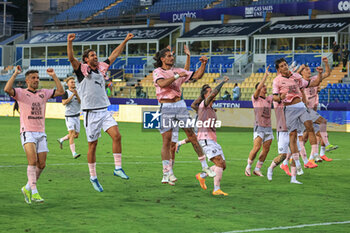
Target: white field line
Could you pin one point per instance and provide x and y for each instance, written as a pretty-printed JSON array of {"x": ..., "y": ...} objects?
[
  {"x": 289, "y": 227},
  {"x": 140, "y": 162}
]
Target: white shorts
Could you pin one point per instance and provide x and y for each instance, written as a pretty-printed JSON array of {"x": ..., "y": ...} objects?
[
  {"x": 283, "y": 142},
  {"x": 302, "y": 129},
  {"x": 265, "y": 133},
  {"x": 296, "y": 115},
  {"x": 314, "y": 115},
  {"x": 39, "y": 138},
  {"x": 211, "y": 148},
  {"x": 175, "y": 135},
  {"x": 173, "y": 113},
  {"x": 73, "y": 123},
  {"x": 95, "y": 120}
]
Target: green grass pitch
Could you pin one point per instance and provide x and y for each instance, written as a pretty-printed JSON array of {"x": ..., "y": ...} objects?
[{"x": 143, "y": 204}]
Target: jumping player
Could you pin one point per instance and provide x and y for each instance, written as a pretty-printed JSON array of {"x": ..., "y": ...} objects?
[
  {"x": 71, "y": 101},
  {"x": 263, "y": 134},
  {"x": 207, "y": 138},
  {"x": 32, "y": 102},
  {"x": 94, "y": 102},
  {"x": 286, "y": 89},
  {"x": 168, "y": 81},
  {"x": 311, "y": 95}
]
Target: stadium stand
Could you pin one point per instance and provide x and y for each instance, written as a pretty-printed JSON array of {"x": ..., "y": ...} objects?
[
  {"x": 81, "y": 11},
  {"x": 179, "y": 5}
]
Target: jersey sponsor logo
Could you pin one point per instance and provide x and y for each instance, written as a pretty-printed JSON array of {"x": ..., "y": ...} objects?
[{"x": 41, "y": 96}]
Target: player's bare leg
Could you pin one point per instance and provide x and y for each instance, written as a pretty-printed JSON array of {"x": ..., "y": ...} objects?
[
  {"x": 275, "y": 162},
  {"x": 198, "y": 149},
  {"x": 256, "y": 147},
  {"x": 32, "y": 157},
  {"x": 323, "y": 152},
  {"x": 166, "y": 156},
  {"x": 262, "y": 157},
  {"x": 313, "y": 141},
  {"x": 324, "y": 135},
  {"x": 116, "y": 137},
  {"x": 219, "y": 167},
  {"x": 91, "y": 157},
  {"x": 72, "y": 135},
  {"x": 172, "y": 161}
]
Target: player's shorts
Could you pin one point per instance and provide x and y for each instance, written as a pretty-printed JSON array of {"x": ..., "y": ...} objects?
[
  {"x": 175, "y": 135},
  {"x": 296, "y": 115},
  {"x": 265, "y": 133},
  {"x": 95, "y": 120},
  {"x": 211, "y": 148},
  {"x": 73, "y": 123},
  {"x": 302, "y": 129},
  {"x": 314, "y": 115},
  {"x": 175, "y": 132},
  {"x": 282, "y": 142},
  {"x": 173, "y": 113},
  {"x": 38, "y": 138}
]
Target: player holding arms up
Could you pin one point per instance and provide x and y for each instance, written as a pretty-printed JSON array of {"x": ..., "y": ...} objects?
[
  {"x": 71, "y": 101},
  {"x": 168, "y": 80},
  {"x": 287, "y": 89},
  {"x": 263, "y": 135},
  {"x": 207, "y": 137},
  {"x": 94, "y": 102},
  {"x": 32, "y": 103}
]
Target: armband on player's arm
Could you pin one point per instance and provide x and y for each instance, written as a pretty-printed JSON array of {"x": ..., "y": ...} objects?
[{"x": 176, "y": 76}]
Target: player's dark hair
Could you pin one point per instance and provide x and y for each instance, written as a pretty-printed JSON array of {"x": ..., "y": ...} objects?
[
  {"x": 31, "y": 72},
  {"x": 204, "y": 90},
  {"x": 278, "y": 62},
  {"x": 158, "y": 56},
  {"x": 86, "y": 54}
]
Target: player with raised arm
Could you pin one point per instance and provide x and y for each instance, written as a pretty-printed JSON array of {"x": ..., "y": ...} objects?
[
  {"x": 168, "y": 80},
  {"x": 287, "y": 89},
  {"x": 311, "y": 95},
  {"x": 71, "y": 101},
  {"x": 207, "y": 137},
  {"x": 32, "y": 102},
  {"x": 263, "y": 134},
  {"x": 94, "y": 102},
  {"x": 175, "y": 133}
]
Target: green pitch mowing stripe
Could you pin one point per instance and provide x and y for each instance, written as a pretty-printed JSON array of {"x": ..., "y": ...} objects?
[{"x": 143, "y": 204}]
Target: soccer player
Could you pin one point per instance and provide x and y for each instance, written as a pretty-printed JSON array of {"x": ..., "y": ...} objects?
[
  {"x": 32, "y": 102},
  {"x": 168, "y": 80},
  {"x": 311, "y": 94},
  {"x": 175, "y": 133},
  {"x": 71, "y": 101},
  {"x": 283, "y": 147},
  {"x": 287, "y": 89},
  {"x": 207, "y": 137},
  {"x": 263, "y": 134},
  {"x": 94, "y": 102}
]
